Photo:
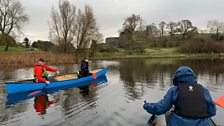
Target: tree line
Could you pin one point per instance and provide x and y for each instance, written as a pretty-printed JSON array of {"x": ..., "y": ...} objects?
[
  {"x": 136, "y": 35},
  {"x": 75, "y": 30},
  {"x": 70, "y": 28}
]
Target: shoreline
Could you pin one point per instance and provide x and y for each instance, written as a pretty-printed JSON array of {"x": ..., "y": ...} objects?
[{"x": 26, "y": 59}]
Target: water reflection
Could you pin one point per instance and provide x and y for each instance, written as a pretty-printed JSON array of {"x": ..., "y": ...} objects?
[
  {"x": 117, "y": 103},
  {"x": 137, "y": 73},
  {"x": 72, "y": 99},
  {"x": 86, "y": 91},
  {"x": 41, "y": 103},
  {"x": 158, "y": 72}
]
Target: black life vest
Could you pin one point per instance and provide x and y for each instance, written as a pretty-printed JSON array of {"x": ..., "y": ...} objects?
[
  {"x": 191, "y": 101},
  {"x": 84, "y": 66}
]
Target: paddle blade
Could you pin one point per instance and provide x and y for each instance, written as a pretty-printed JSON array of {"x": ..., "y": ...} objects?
[
  {"x": 220, "y": 102},
  {"x": 94, "y": 75}
]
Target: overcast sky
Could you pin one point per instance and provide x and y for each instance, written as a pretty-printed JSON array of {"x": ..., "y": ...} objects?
[{"x": 110, "y": 14}]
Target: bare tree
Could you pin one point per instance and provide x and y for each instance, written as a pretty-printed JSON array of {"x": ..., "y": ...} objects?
[
  {"x": 184, "y": 27},
  {"x": 171, "y": 26},
  {"x": 62, "y": 23},
  {"x": 210, "y": 26},
  {"x": 162, "y": 27},
  {"x": 12, "y": 18},
  {"x": 215, "y": 26},
  {"x": 98, "y": 38},
  {"x": 85, "y": 29},
  {"x": 129, "y": 27},
  {"x": 71, "y": 27},
  {"x": 132, "y": 23},
  {"x": 187, "y": 25},
  {"x": 152, "y": 30}
]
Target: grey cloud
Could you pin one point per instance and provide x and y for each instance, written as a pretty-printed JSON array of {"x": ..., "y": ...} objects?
[{"x": 110, "y": 14}]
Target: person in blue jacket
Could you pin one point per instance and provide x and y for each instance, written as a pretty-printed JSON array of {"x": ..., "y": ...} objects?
[{"x": 190, "y": 102}]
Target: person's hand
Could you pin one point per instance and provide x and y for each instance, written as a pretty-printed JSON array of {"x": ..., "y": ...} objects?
[
  {"x": 47, "y": 82},
  {"x": 58, "y": 72},
  {"x": 143, "y": 103}
]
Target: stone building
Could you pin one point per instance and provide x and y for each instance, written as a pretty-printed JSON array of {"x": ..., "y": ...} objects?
[{"x": 113, "y": 42}]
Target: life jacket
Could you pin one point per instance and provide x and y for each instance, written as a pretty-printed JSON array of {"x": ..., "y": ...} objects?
[
  {"x": 191, "y": 102},
  {"x": 84, "y": 66},
  {"x": 84, "y": 69},
  {"x": 44, "y": 74}
]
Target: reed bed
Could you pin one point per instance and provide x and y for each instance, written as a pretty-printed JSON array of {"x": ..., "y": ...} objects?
[{"x": 30, "y": 57}]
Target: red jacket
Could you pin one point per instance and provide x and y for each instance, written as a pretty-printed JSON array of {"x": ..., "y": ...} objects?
[
  {"x": 41, "y": 103},
  {"x": 38, "y": 70}
]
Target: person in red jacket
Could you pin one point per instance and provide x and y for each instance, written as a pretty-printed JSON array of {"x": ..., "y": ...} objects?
[{"x": 40, "y": 71}]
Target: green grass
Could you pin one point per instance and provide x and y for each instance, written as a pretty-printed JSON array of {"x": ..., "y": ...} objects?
[
  {"x": 12, "y": 49},
  {"x": 162, "y": 52},
  {"x": 122, "y": 53},
  {"x": 150, "y": 52},
  {"x": 154, "y": 52}
]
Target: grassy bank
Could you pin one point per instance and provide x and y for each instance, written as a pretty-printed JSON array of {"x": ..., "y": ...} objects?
[
  {"x": 12, "y": 49},
  {"x": 28, "y": 58},
  {"x": 155, "y": 53}
]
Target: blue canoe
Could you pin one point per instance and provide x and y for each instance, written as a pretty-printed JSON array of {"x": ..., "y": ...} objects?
[
  {"x": 21, "y": 96},
  {"x": 23, "y": 86}
]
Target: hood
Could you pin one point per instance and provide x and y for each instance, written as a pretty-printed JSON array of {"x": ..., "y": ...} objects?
[{"x": 184, "y": 75}]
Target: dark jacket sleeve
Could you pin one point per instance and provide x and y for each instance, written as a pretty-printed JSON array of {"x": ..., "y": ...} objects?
[
  {"x": 210, "y": 103},
  {"x": 163, "y": 105}
]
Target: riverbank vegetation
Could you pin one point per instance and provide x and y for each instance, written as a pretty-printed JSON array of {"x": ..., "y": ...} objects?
[
  {"x": 28, "y": 58},
  {"x": 74, "y": 34}
]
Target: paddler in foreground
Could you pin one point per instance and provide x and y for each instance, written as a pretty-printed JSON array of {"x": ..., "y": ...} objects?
[
  {"x": 40, "y": 71},
  {"x": 191, "y": 102}
]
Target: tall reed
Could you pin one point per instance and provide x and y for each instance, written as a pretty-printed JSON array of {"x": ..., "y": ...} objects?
[{"x": 30, "y": 57}]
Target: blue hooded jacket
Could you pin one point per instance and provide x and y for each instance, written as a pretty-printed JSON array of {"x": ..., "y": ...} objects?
[{"x": 183, "y": 75}]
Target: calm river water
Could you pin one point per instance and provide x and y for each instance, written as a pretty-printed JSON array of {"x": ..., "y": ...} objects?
[{"x": 118, "y": 102}]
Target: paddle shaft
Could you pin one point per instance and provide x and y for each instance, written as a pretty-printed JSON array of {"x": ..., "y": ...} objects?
[
  {"x": 212, "y": 121},
  {"x": 152, "y": 118},
  {"x": 151, "y": 121}
]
